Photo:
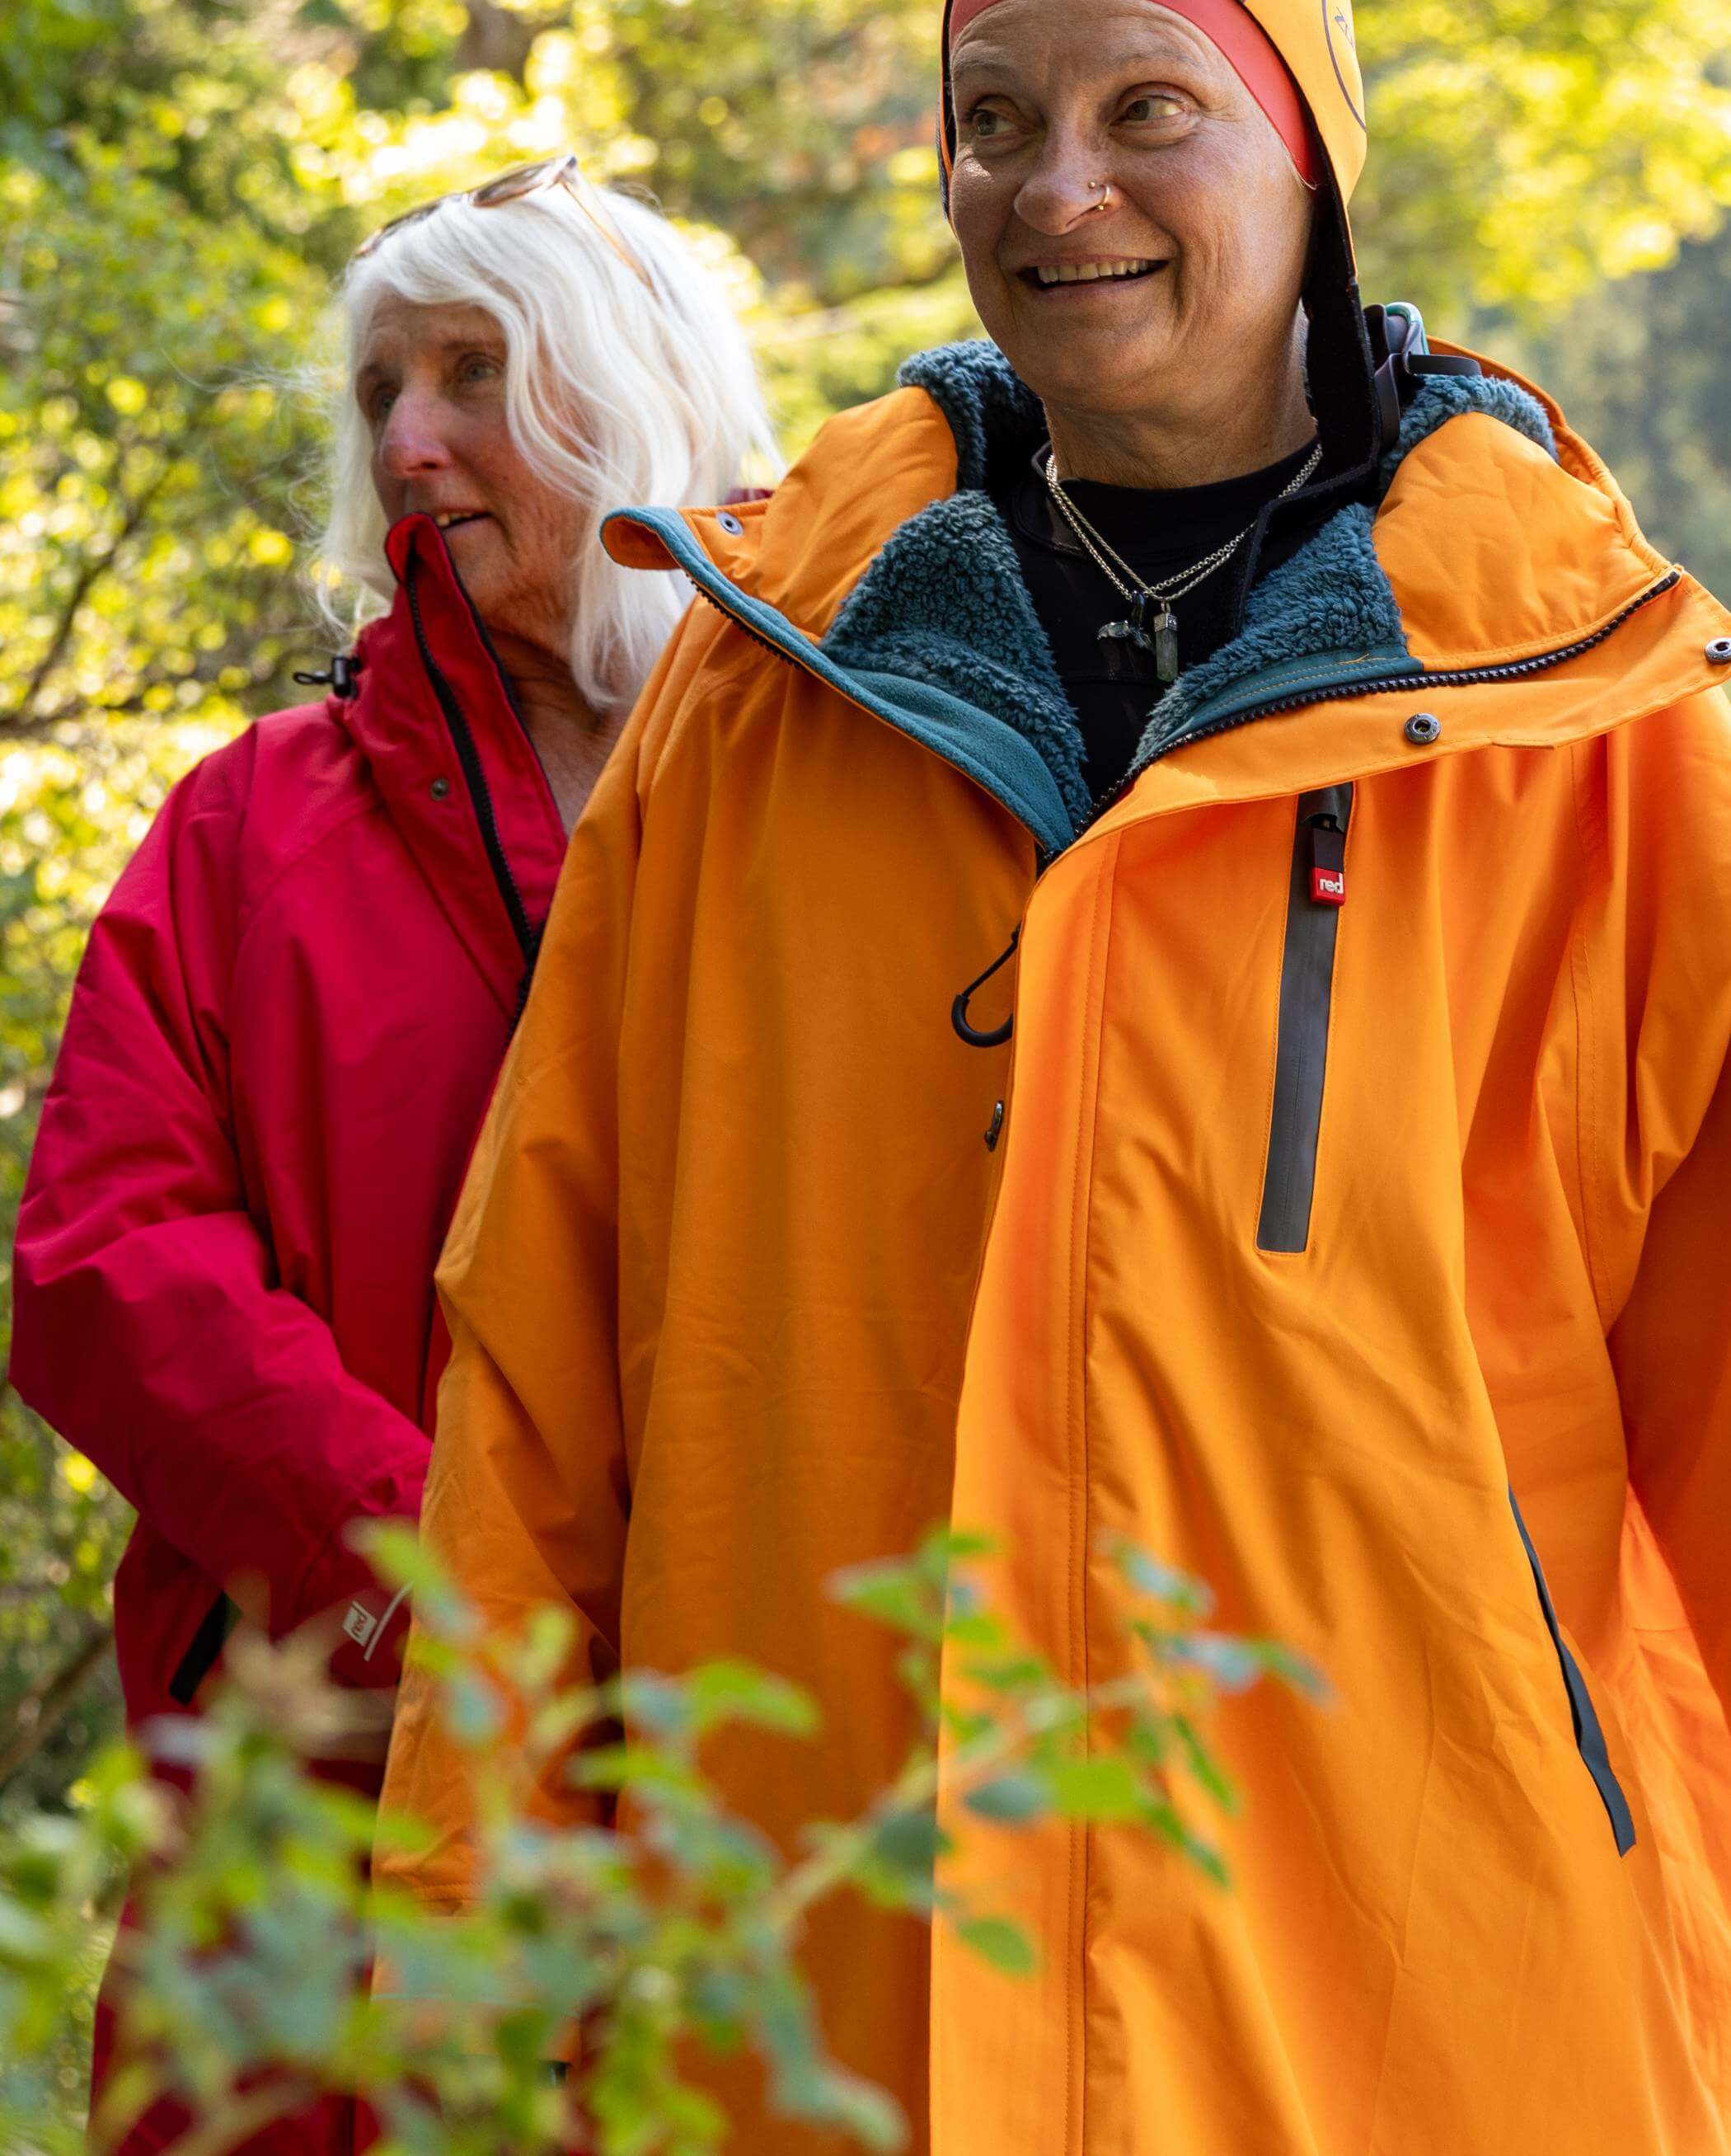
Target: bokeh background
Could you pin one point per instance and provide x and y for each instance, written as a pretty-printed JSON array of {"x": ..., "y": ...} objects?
[{"x": 182, "y": 180}]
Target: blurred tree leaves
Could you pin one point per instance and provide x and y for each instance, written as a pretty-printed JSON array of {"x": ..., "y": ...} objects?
[{"x": 1524, "y": 152}]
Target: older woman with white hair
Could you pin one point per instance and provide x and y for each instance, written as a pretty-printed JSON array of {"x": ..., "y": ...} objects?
[{"x": 295, "y": 1003}]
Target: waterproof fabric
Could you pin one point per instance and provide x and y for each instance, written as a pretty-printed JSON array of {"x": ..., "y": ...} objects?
[
  {"x": 1504, "y": 1273},
  {"x": 285, "y": 1032},
  {"x": 711, "y": 1279}
]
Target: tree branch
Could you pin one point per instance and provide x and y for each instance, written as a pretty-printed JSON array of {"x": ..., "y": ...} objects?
[
  {"x": 20, "y": 720},
  {"x": 132, "y": 704},
  {"x": 45, "y": 1706}
]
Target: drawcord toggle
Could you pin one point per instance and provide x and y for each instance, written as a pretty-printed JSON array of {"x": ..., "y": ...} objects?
[
  {"x": 959, "y": 1010},
  {"x": 342, "y": 678}
]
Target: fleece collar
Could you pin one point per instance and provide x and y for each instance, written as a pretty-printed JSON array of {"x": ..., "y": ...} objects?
[
  {"x": 1499, "y": 550},
  {"x": 944, "y": 599}
]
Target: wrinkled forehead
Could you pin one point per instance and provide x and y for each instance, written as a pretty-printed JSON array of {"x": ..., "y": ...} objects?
[
  {"x": 395, "y": 330},
  {"x": 1013, "y": 41}
]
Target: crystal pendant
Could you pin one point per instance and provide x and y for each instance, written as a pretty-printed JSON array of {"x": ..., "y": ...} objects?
[
  {"x": 1148, "y": 631},
  {"x": 1165, "y": 645}
]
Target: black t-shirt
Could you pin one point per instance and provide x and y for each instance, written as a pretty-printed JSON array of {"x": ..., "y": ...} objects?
[{"x": 1113, "y": 686}]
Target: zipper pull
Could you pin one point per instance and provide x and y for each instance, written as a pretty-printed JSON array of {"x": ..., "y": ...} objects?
[{"x": 1328, "y": 862}]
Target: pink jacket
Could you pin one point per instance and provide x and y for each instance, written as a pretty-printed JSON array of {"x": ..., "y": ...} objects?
[{"x": 279, "y": 1049}]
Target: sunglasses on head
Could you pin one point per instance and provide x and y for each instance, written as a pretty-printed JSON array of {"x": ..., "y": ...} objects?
[{"x": 519, "y": 185}]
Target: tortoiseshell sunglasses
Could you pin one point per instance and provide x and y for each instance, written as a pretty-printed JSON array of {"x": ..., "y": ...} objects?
[{"x": 519, "y": 185}]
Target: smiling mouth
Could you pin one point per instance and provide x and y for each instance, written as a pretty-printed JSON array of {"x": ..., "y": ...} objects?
[
  {"x": 1046, "y": 276},
  {"x": 447, "y": 520}
]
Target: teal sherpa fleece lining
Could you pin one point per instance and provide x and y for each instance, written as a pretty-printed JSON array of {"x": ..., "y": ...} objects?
[
  {"x": 981, "y": 396},
  {"x": 1331, "y": 599},
  {"x": 944, "y": 602}
]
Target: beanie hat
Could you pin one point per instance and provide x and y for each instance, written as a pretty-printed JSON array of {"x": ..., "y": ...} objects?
[
  {"x": 1298, "y": 59},
  {"x": 1289, "y": 53},
  {"x": 1235, "y": 33}
]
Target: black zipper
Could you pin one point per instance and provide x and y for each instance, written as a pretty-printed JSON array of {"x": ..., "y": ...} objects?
[
  {"x": 1465, "y": 677},
  {"x": 1316, "y": 884},
  {"x": 1589, "y": 1734},
  {"x": 207, "y": 1642},
  {"x": 1459, "y": 678},
  {"x": 475, "y": 778}
]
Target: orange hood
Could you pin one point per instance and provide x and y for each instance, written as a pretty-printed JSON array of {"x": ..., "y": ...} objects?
[{"x": 878, "y": 543}]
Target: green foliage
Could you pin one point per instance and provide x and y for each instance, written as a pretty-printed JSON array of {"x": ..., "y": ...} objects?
[{"x": 667, "y": 1929}]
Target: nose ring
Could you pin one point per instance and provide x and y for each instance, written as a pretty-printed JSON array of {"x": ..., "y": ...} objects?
[{"x": 1105, "y": 200}]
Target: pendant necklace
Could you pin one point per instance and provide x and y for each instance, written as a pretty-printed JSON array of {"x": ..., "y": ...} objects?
[{"x": 1152, "y": 625}]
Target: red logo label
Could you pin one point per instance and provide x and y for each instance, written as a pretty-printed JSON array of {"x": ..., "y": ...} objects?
[{"x": 1327, "y": 887}]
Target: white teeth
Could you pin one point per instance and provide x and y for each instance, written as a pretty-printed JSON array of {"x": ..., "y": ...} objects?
[{"x": 1087, "y": 273}]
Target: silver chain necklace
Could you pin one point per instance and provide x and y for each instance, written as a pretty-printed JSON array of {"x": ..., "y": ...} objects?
[{"x": 1159, "y": 634}]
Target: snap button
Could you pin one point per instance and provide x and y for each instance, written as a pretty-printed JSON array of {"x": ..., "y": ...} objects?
[
  {"x": 994, "y": 1129},
  {"x": 1720, "y": 651},
  {"x": 1422, "y": 729},
  {"x": 439, "y": 789},
  {"x": 730, "y": 522}
]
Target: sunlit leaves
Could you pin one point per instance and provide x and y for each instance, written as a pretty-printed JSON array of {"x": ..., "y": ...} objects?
[
  {"x": 1523, "y": 150},
  {"x": 634, "y": 1943}
]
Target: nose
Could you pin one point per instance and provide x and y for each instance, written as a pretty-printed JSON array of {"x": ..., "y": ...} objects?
[
  {"x": 411, "y": 443},
  {"x": 1065, "y": 186}
]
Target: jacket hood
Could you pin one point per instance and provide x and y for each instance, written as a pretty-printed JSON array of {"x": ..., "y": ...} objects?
[
  {"x": 431, "y": 709},
  {"x": 1496, "y": 547},
  {"x": 1527, "y": 490}
]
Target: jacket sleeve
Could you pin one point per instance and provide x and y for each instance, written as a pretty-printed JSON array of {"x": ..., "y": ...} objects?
[
  {"x": 528, "y": 1495},
  {"x": 1665, "y": 1080},
  {"x": 149, "y": 1327}
]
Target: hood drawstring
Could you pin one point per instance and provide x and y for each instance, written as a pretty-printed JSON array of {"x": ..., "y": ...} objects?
[
  {"x": 959, "y": 1010},
  {"x": 342, "y": 680}
]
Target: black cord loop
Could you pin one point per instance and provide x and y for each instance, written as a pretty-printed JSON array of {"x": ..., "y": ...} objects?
[{"x": 959, "y": 1010}]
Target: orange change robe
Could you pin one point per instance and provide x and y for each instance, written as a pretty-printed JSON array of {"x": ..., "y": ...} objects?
[{"x": 1320, "y": 1226}]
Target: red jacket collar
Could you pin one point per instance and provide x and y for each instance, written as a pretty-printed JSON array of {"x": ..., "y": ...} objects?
[{"x": 432, "y": 713}]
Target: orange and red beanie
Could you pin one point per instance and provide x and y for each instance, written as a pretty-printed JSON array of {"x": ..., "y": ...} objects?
[
  {"x": 1241, "y": 43},
  {"x": 1298, "y": 59}
]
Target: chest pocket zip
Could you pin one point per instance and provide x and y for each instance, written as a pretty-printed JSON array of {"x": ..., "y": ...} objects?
[{"x": 1317, "y": 890}]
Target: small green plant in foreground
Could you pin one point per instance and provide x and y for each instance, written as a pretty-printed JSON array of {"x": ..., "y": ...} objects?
[{"x": 669, "y": 1931}]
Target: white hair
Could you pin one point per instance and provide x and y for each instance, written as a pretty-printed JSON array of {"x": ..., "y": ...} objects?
[{"x": 617, "y": 391}]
